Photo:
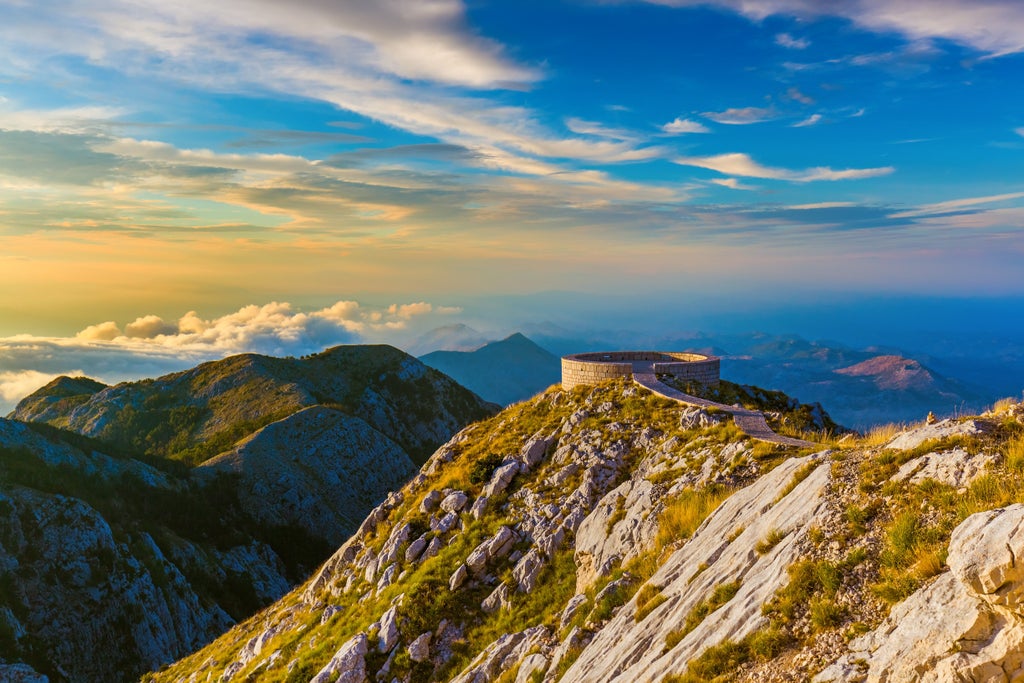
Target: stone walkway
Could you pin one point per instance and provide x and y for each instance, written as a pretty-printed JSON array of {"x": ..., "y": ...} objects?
[{"x": 752, "y": 422}]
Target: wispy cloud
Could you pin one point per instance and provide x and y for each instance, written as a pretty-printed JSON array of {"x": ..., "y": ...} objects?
[
  {"x": 957, "y": 205},
  {"x": 680, "y": 126},
  {"x": 739, "y": 164},
  {"x": 788, "y": 41},
  {"x": 732, "y": 184},
  {"x": 995, "y": 27},
  {"x": 596, "y": 129},
  {"x": 809, "y": 121},
  {"x": 794, "y": 94},
  {"x": 740, "y": 116}
]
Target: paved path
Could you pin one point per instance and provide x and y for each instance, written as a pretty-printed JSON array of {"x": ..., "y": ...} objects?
[{"x": 752, "y": 422}]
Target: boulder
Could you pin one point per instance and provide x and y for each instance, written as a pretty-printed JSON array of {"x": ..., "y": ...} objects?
[
  {"x": 942, "y": 429},
  {"x": 964, "y": 626},
  {"x": 416, "y": 548},
  {"x": 348, "y": 665},
  {"x": 388, "y": 635},
  {"x": 533, "y": 451},
  {"x": 527, "y": 570},
  {"x": 454, "y": 502},
  {"x": 419, "y": 649},
  {"x": 430, "y": 502},
  {"x": 956, "y": 467},
  {"x": 458, "y": 578},
  {"x": 501, "y": 478},
  {"x": 531, "y": 663}
]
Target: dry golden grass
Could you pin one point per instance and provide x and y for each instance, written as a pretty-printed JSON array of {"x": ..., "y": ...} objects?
[
  {"x": 1003, "y": 405},
  {"x": 880, "y": 435},
  {"x": 686, "y": 512}
]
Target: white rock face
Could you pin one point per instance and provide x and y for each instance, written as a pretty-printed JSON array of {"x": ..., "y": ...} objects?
[
  {"x": 600, "y": 548},
  {"x": 625, "y": 651},
  {"x": 942, "y": 429},
  {"x": 967, "y": 625},
  {"x": 348, "y": 665},
  {"x": 501, "y": 655},
  {"x": 957, "y": 467}
]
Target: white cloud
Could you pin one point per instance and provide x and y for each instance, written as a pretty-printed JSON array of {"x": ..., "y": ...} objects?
[
  {"x": 394, "y": 62},
  {"x": 740, "y": 116},
  {"x": 148, "y": 327},
  {"x": 739, "y": 164},
  {"x": 809, "y": 121},
  {"x": 995, "y": 27},
  {"x": 679, "y": 126},
  {"x": 16, "y": 385},
  {"x": 1020, "y": 132},
  {"x": 788, "y": 41},
  {"x": 100, "y": 332},
  {"x": 151, "y": 346}
]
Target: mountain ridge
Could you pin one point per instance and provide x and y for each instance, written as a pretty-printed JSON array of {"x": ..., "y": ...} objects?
[{"x": 512, "y": 369}]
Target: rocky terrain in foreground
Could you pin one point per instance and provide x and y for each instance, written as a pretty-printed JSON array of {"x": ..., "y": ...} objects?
[
  {"x": 606, "y": 534},
  {"x": 116, "y": 556}
]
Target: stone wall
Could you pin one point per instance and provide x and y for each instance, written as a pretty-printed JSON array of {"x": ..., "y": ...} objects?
[{"x": 593, "y": 368}]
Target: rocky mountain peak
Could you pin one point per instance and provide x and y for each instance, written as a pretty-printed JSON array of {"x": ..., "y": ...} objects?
[{"x": 605, "y": 534}]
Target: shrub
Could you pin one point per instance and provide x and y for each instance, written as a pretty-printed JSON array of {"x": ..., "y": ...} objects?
[
  {"x": 773, "y": 538},
  {"x": 482, "y": 469},
  {"x": 647, "y": 600}
]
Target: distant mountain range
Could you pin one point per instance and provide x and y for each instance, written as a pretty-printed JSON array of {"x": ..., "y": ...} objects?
[
  {"x": 138, "y": 521},
  {"x": 456, "y": 337},
  {"x": 506, "y": 371},
  {"x": 859, "y": 387}
]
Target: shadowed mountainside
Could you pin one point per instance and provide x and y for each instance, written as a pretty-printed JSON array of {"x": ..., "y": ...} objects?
[{"x": 506, "y": 371}]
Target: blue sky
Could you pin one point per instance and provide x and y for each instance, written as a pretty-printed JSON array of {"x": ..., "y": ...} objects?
[{"x": 159, "y": 158}]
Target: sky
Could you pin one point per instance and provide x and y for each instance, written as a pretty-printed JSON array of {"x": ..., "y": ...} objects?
[{"x": 181, "y": 180}]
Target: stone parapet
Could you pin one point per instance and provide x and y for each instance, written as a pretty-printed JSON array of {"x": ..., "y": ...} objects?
[{"x": 593, "y": 368}]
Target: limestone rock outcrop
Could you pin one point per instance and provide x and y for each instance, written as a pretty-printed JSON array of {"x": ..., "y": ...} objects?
[{"x": 967, "y": 625}]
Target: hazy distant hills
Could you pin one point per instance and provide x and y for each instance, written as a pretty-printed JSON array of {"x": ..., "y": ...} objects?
[
  {"x": 505, "y": 371},
  {"x": 456, "y": 337},
  {"x": 859, "y": 387}
]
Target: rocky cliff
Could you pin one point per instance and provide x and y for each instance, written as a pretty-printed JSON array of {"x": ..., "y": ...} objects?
[
  {"x": 606, "y": 534},
  {"x": 116, "y": 557}
]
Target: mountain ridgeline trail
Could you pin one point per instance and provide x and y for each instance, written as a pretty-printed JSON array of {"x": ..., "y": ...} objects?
[
  {"x": 140, "y": 521},
  {"x": 752, "y": 422}
]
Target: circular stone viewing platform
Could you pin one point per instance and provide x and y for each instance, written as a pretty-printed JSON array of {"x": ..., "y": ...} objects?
[{"x": 592, "y": 368}]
